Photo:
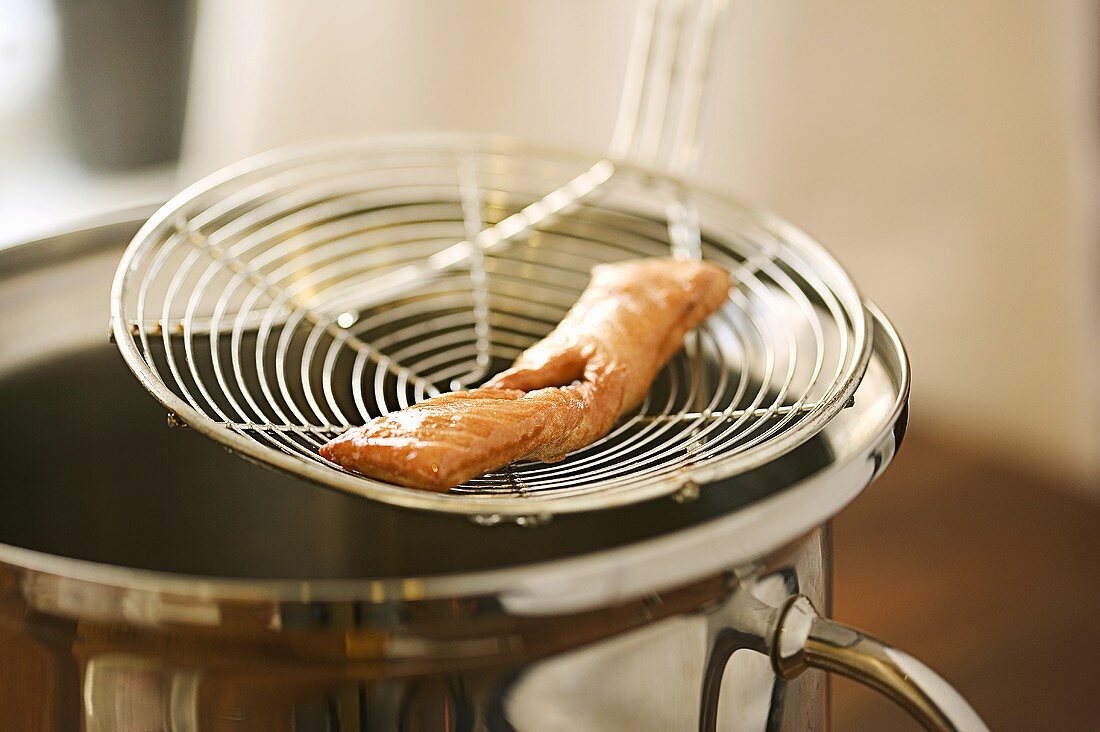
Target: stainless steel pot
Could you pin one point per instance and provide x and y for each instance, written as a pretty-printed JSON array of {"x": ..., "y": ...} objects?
[{"x": 149, "y": 580}]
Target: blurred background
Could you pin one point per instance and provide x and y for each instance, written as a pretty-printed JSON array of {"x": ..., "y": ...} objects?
[{"x": 947, "y": 153}]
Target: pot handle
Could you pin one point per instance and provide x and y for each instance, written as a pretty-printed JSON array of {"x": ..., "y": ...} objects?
[{"x": 803, "y": 639}]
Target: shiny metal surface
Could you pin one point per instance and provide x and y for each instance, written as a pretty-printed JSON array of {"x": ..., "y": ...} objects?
[
  {"x": 668, "y": 75},
  {"x": 188, "y": 663},
  {"x": 805, "y": 640},
  {"x": 258, "y": 308}
]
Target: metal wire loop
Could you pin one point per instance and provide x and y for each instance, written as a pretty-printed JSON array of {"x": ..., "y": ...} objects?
[{"x": 274, "y": 308}]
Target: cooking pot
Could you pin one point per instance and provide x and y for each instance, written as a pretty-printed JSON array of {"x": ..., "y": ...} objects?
[{"x": 150, "y": 580}]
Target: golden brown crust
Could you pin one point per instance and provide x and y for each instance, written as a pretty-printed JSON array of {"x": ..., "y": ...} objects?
[{"x": 563, "y": 393}]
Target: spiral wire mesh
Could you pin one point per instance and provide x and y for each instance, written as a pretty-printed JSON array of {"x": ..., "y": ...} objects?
[{"x": 283, "y": 303}]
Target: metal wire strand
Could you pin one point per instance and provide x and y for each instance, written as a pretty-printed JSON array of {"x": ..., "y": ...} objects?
[{"x": 276, "y": 322}]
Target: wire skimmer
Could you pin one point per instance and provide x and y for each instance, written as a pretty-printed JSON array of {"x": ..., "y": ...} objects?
[
  {"x": 289, "y": 297},
  {"x": 273, "y": 307}
]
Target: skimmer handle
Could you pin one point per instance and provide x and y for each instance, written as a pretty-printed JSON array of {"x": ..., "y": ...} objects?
[
  {"x": 803, "y": 639},
  {"x": 668, "y": 75}
]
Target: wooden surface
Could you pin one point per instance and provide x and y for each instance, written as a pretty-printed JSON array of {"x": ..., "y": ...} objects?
[{"x": 988, "y": 574}]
